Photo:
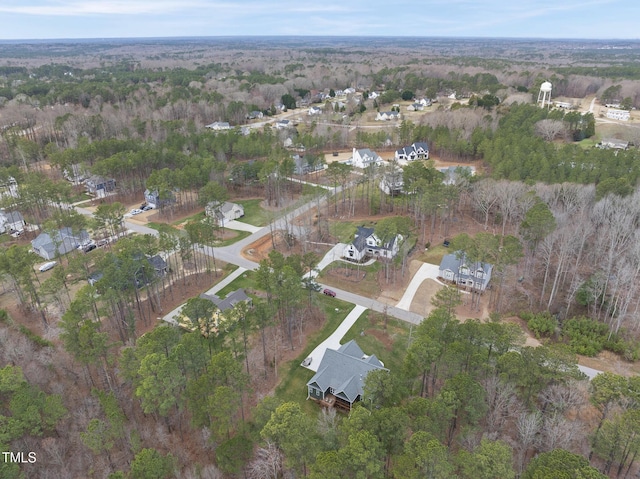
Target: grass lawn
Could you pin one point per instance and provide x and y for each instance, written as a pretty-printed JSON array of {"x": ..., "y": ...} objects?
[
  {"x": 434, "y": 254},
  {"x": 254, "y": 214},
  {"x": 196, "y": 217},
  {"x": 368, "y": 286},
  {"x": 246, "y": 280},
  {"x": 344, "y": 231},
  {"x": 239, "y": 235},
  {"x": 294, "y": 378},
  {"x": 390, "y": 345},
  {"x": 163, "y": 227}
]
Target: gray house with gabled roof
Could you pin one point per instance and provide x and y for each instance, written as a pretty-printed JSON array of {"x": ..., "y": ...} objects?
[
  {"x": 64, "y": 239},
  {"x": 340, "y": 378},
  {"x": 456, "y": 268}
]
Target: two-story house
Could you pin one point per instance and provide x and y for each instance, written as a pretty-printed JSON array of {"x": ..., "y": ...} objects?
[
  {"x": 416, "y": 151},
  {"x": 364, "y": 157},
  {"x": 456, "y": 268},
  {"x": 367, "y": 244}
]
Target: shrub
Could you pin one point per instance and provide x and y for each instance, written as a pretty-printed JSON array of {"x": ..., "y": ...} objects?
[
  {"x": 586, "y": 336},
  {"x": 541, "y": 324}
]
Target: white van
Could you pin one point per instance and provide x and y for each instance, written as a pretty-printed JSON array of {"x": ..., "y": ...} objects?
[{"x": 47, "y": 266}]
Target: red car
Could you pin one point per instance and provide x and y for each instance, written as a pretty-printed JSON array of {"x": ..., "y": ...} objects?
[{"x": 328, "y": 292}]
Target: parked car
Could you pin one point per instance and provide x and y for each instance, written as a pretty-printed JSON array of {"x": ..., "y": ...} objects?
[
  {"x": 47, "y": 266},
  {"x": 147, "y": 208},
  {"x": 102, "y": 242},
  {"x": 446, "y": 243},
  {"x": 89, "y": 247},
  {"x": 135, "y": 211},
  {"x": 329, "y": 292}
]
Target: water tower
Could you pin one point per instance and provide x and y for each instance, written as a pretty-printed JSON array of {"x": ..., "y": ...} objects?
[{"x": 544, "y": 96}]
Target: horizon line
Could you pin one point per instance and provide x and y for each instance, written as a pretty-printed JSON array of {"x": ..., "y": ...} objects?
[{"x": 278, "y": 36}]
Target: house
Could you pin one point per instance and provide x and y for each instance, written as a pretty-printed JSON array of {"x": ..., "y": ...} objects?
[
  {"x": 387, "y": 115},
  {"x": 222, "y": 307},
  {"x": 306, "y": 164},
  {"x": 153, "y": 198},
  {"x": 373, "y": 95},
  {"x": 416, "y": 151},
  {"x": 454, "y": 174},
  {"x": 226, "y": 212},
  {"x": 392, "y": 180},
  {"x": 159, "y": 265},
  {"x": 563, "y": 104},
  {"x": 315, "y": 110},
  {"x": 254, "y": 115},
  {"x": 415, "y": 107},
  {"x": 614, "y": 143},
  {"x": 425, "y": 102},
  {"x": 99, "y": 186},
  {"x": 64, "y": 239},
  {"x": 367, "y": 244},
  {"x": 364, "y": 157},
  {"x": 75, "y": 173},
  {"x": 282, "y": 124},
  {"x": 219, "y": 126},
  {"x": 341, "y": 374},
  {"x": 457, "y": 269},
  {"x": 11, "y": 221},
  {"x": 349, "y": 91},
  {"x": 616, "y": 114}
]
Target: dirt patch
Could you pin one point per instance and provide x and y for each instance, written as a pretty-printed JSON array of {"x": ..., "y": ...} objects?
[
  {"x": 382, "y": 337},
  {"x": 347, "y": 274},
  {"x": 421, "y": 303}
]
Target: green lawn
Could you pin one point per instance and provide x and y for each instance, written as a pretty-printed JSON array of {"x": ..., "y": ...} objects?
[
  {"x": 246, "y": 280},
  {"x": 239, "y": 235},
  {"x": 254, "y": 214},
  {"x": 196, "y": 217},
  {"x": 292, "y": 387},
  {"x": 434, "y": 254},
  {"x": 164, "y": 227},
  {"x": 344, "y": 231},
  {"x": 396, "y": 338},
  {"x": 294, "y": 378}
]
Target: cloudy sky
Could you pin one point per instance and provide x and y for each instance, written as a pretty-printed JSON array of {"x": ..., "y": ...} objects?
[{"x": 44, "y": 19}]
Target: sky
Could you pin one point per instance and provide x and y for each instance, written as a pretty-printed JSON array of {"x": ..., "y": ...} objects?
[{"x": 55, "y": 19}]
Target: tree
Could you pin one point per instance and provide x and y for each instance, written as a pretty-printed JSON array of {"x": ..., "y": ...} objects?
[
  {"x": 407, "y": 95},
  {"x": 447, "y": 298},
  {"x": 362, "y": 456},
  {"x": 150, "y": 464},
  {"x": 288, "y": 101},
  {"x": 423, "y": 456},
  {"x": 560, "y": 464},
  {"x": 161, "y": 384},
  {"x": 292, "y": 431},
  {"x": 538, "y": 222},
  {"x": 490, "y": 460}
]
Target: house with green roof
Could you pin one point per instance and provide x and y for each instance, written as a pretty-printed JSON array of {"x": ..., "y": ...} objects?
[{"x": 340, "y": 378}]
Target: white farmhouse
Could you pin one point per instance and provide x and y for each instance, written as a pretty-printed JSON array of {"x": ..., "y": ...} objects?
[{"x": 364, "y": 157}]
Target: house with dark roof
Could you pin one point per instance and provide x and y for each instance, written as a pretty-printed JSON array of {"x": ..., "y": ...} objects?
[
  {"x": 341, "y": 374},
  {"x": 226, "y": 212},
  {"x": 155, "y": 199},
  {"x": 11, "y": 221},
  {"x": 416, "y": 151},
  {"x": 303, "y": 165},
  {"x": 458, "y": 269},
  {"x": 99, "y": 186},
  {"x": 392, "y": 181},
  {"x": 223, "y": 306},
  {"x": 64, "y": 240},
  {"x": 367, "y": 244}
]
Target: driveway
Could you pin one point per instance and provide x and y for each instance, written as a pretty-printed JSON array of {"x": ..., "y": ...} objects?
[
  {"x": 240, "y": 226},
  {"x": 426, "y": 271},
  {"x": 333, "y": 341}
]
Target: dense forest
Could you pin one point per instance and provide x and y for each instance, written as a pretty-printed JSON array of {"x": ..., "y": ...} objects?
[{"x": 94, "y": 385}]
